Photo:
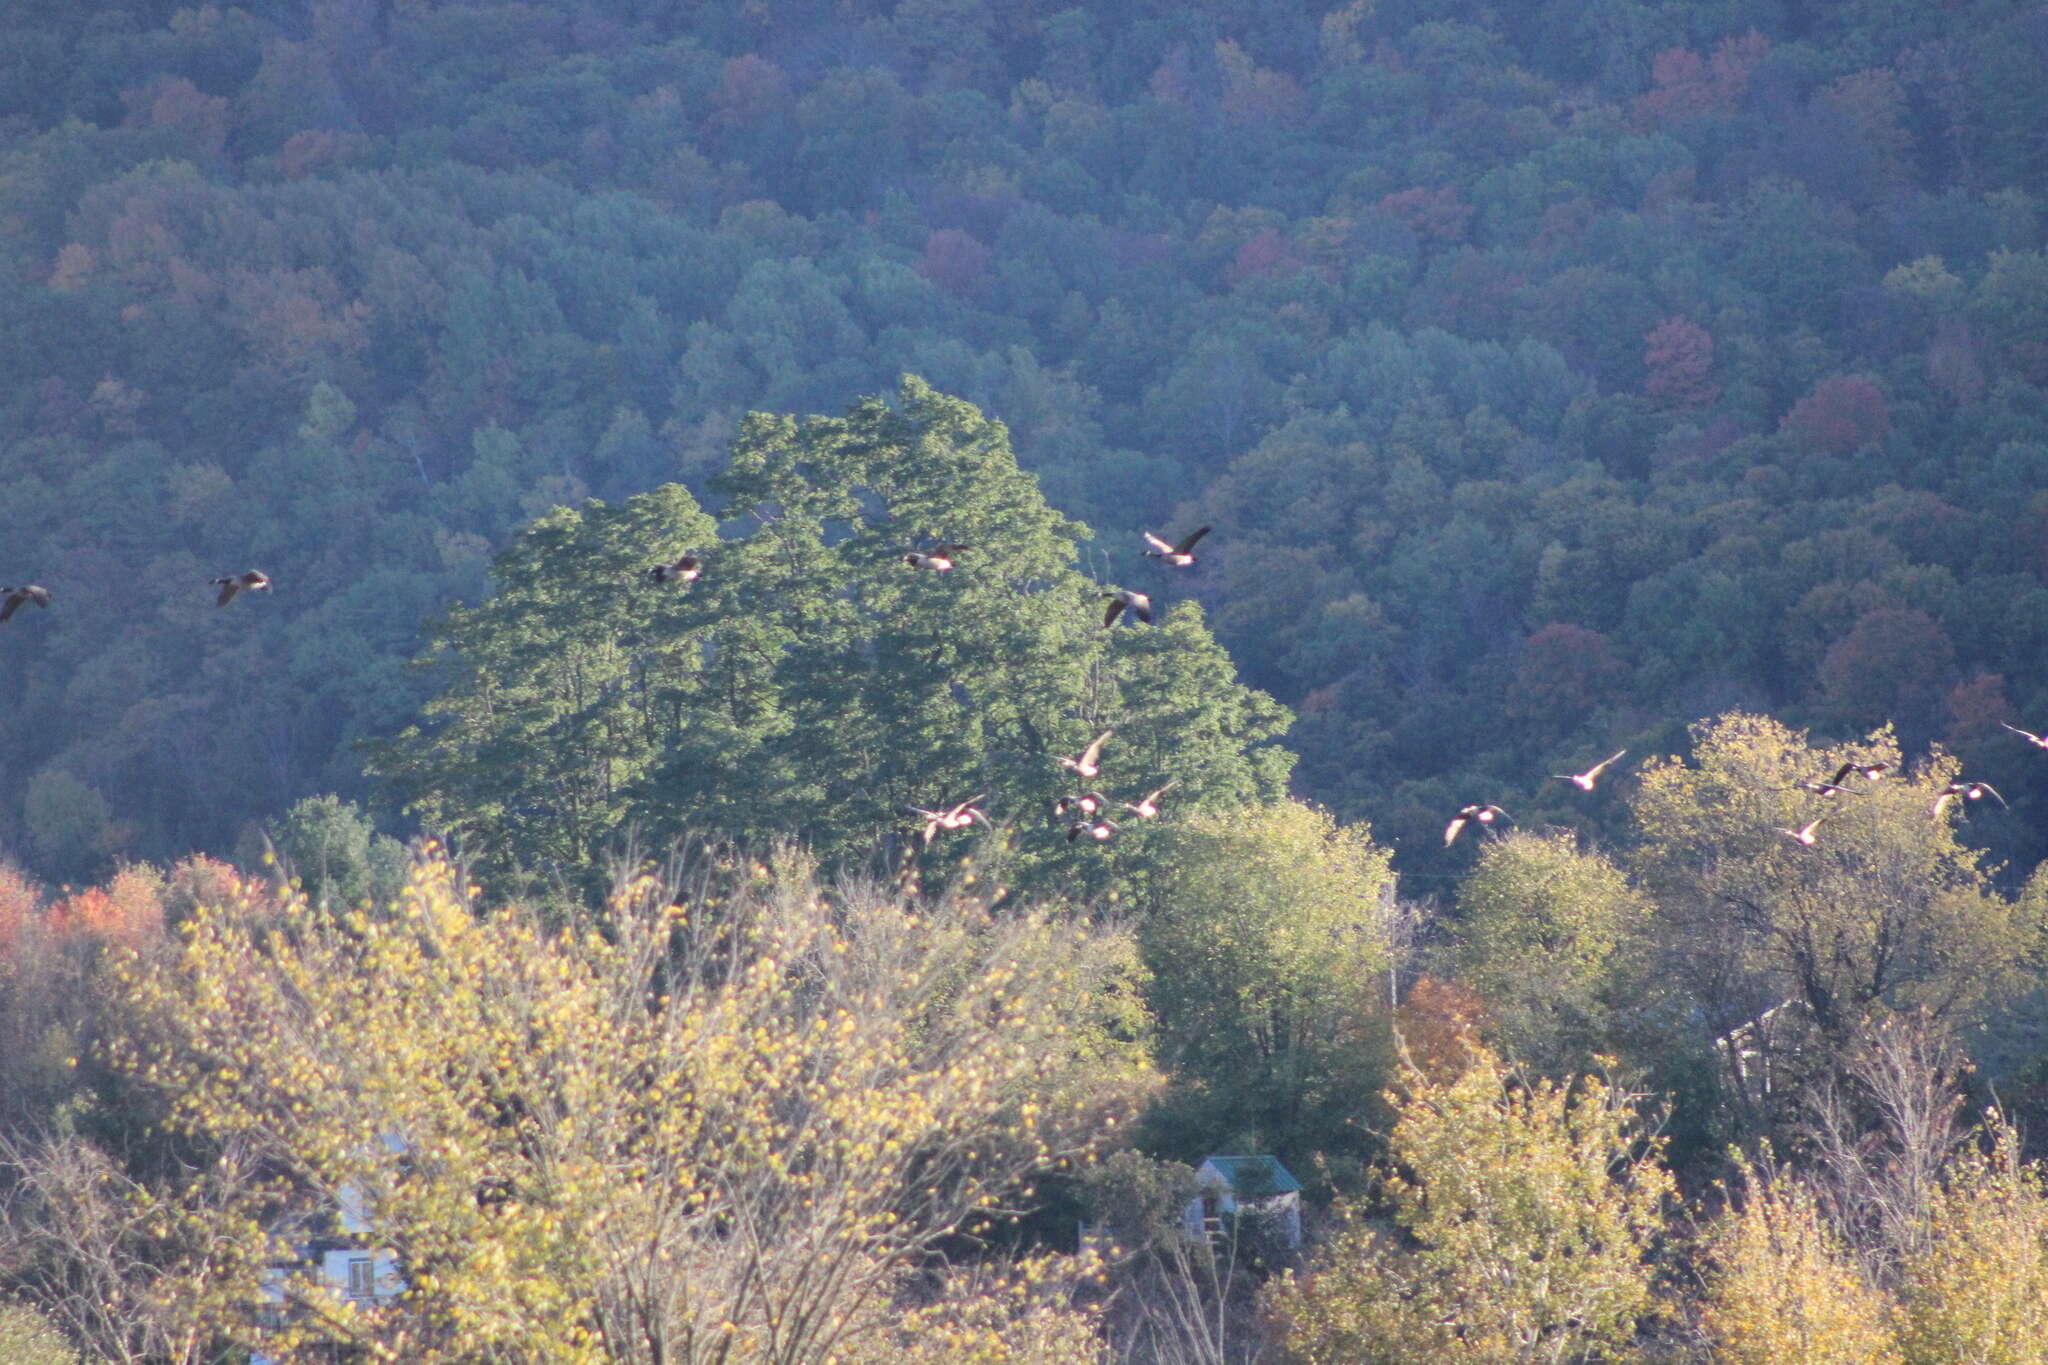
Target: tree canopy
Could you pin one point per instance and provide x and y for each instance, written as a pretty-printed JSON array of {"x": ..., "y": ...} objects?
[{"x": 812, "y": 684}]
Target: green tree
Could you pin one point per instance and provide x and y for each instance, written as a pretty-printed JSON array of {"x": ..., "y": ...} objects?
[
  {"x": 1530, "y": 1212},
  {"x": 1885, "y": 911},
  {"x": 26, "y": 1338},
  {"x": 1548, "y": 931},
  {"x": 812, "y": 684},
  {"x": 67, "y": 824},
  {"x": 561, "y": 692},
  {"x": 336, "y": 853},
  {"x": 1266, "y": 939}
]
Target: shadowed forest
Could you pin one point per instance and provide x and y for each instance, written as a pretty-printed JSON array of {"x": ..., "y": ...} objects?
[{"x": 1563, "y": 380}]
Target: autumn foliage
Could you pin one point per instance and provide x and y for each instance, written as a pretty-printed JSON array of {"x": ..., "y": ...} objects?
[{"x": 1840, "y": 417}]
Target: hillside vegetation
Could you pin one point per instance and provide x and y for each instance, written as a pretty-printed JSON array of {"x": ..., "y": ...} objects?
[
  {"x": 1560, "y": 374},
  {"x": 587, "y": 714}
]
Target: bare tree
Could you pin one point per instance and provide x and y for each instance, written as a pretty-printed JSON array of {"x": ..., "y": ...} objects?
[
  {"x": 1881, "y": 1130},
  {"x": 113, "y": 1263}
]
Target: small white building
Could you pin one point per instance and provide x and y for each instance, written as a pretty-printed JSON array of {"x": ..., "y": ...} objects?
[
  {"x": 1252, "y": 1184},
  {"x": 346, "y": 1261}
]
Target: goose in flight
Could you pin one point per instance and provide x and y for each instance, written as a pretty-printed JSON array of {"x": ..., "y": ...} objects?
[
  {"x": 253, "y": 581},
  {"x": 1869, "y": 771},
  {"x": 12, "y": 598},
  {"x": 684, "y": 570},
  {"x": 1965, "y": 792},
  {"x": 1822, "y": 787},
  {"x": 1100, "y": 830},
  {"x": 1483, "y": 815},
  {"x": 1804, "y": 834},
  {"x": 1139, "y": 603},
  {"x": 2038, "y": 741},
  {"x": 953, "y": 817},
  {"x": 938, "y": 559},
  {"x": 1087, "y": 803},
  {"x": 1584, "y": 781},
  {"x": 1087, "y": 764},
  {"x": 1147, "y": 806},
  {"x": 1181, "y": 555}
]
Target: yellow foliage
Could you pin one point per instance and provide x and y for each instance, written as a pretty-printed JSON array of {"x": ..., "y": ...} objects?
[
  {"x": 1786, "y": 1292},
  {"x": 1533, "y": 1207},
  {"x": 723, "y": 1132},
  {"x": 1977, "y": 1292}
]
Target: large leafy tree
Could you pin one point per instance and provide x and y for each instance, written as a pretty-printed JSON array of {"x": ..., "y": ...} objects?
[
  {"x": 1547, "y": 936},
  {"x": 1886, "y": 910},
  {"x": 734, "y": 1127},
  {"x": 1267, "y": 935},
  {"x": 813, "y": 683}
]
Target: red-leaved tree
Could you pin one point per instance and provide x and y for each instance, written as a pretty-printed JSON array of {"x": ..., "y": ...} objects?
[
  {"x": 1435, "y": 215},
  {"x": 954, "y": 260},
  {"x": 1679, "y": 355},
  {"x": 1841, "y": 416},
  {"x": 1566, "y": 671}
]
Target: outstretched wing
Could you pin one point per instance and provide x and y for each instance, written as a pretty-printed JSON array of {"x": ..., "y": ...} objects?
[
  {"x": 1094, "y": 750},
  {"x": 1189, "y": 543},
  {"x": 228, "y": 588},
  {"x": 9, "y": 603},
  {"x": 1157, "y": 544},
  {"x": 1116, "y": 604},
  {"x": 1451, "y": 830}
]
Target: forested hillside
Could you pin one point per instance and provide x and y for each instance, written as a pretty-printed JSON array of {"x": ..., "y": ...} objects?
[
  {"x": 1555, "y": 374},
  {"x": 589, "y": 725}
]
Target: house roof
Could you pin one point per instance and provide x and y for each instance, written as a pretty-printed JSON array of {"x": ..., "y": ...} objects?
[{"x": 1254, "y": 1176}]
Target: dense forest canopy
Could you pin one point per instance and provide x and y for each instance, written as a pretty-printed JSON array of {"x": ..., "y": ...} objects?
[
  {"x": 1559, "y": 374},
  {"x": 446, "y": 444}
]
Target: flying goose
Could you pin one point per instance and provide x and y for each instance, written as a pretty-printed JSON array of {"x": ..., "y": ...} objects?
[
  {"x": 12, "y": 598},
  {"x": 684, "y": 570},
  {"x": 1181, "y": 555},
  {"x": 1822, "y": 787},
  {"x": 1147, "y": 807},
  {"x": 1960, "y": 790},
  {"x": 2038, "y": 741},
  {"x": 953, "y": 817},
  {"x": 1100, "y": 830},
  {"x": 1087, "y": 803},
  {"x": 1804, "y": 834},
  {"x": 1584, "y": 781},
  {"x": 1485, "y": 815},
  {"x": 1871, "y": 771},
  {"x": 1139, "y": 603},
  {"x": 938, "y": 559},
  {"x": 253, "y": 581},
  {"x": 1086, "y": 765}
]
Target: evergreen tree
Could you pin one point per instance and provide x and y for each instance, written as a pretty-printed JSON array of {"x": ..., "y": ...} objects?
[{"x": 812, "y": 683}]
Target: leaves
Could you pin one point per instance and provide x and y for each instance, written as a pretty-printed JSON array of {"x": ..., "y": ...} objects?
[
  {"x": 735, "y": 1121},
  {"x": 1532, "y": 1210}
]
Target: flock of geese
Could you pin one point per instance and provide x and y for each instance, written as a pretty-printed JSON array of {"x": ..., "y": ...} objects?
[
  {"x": 1085, "y": 812},
  {"x": 255, "y": 580},
  {"x": 1960, "y": 793}
]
